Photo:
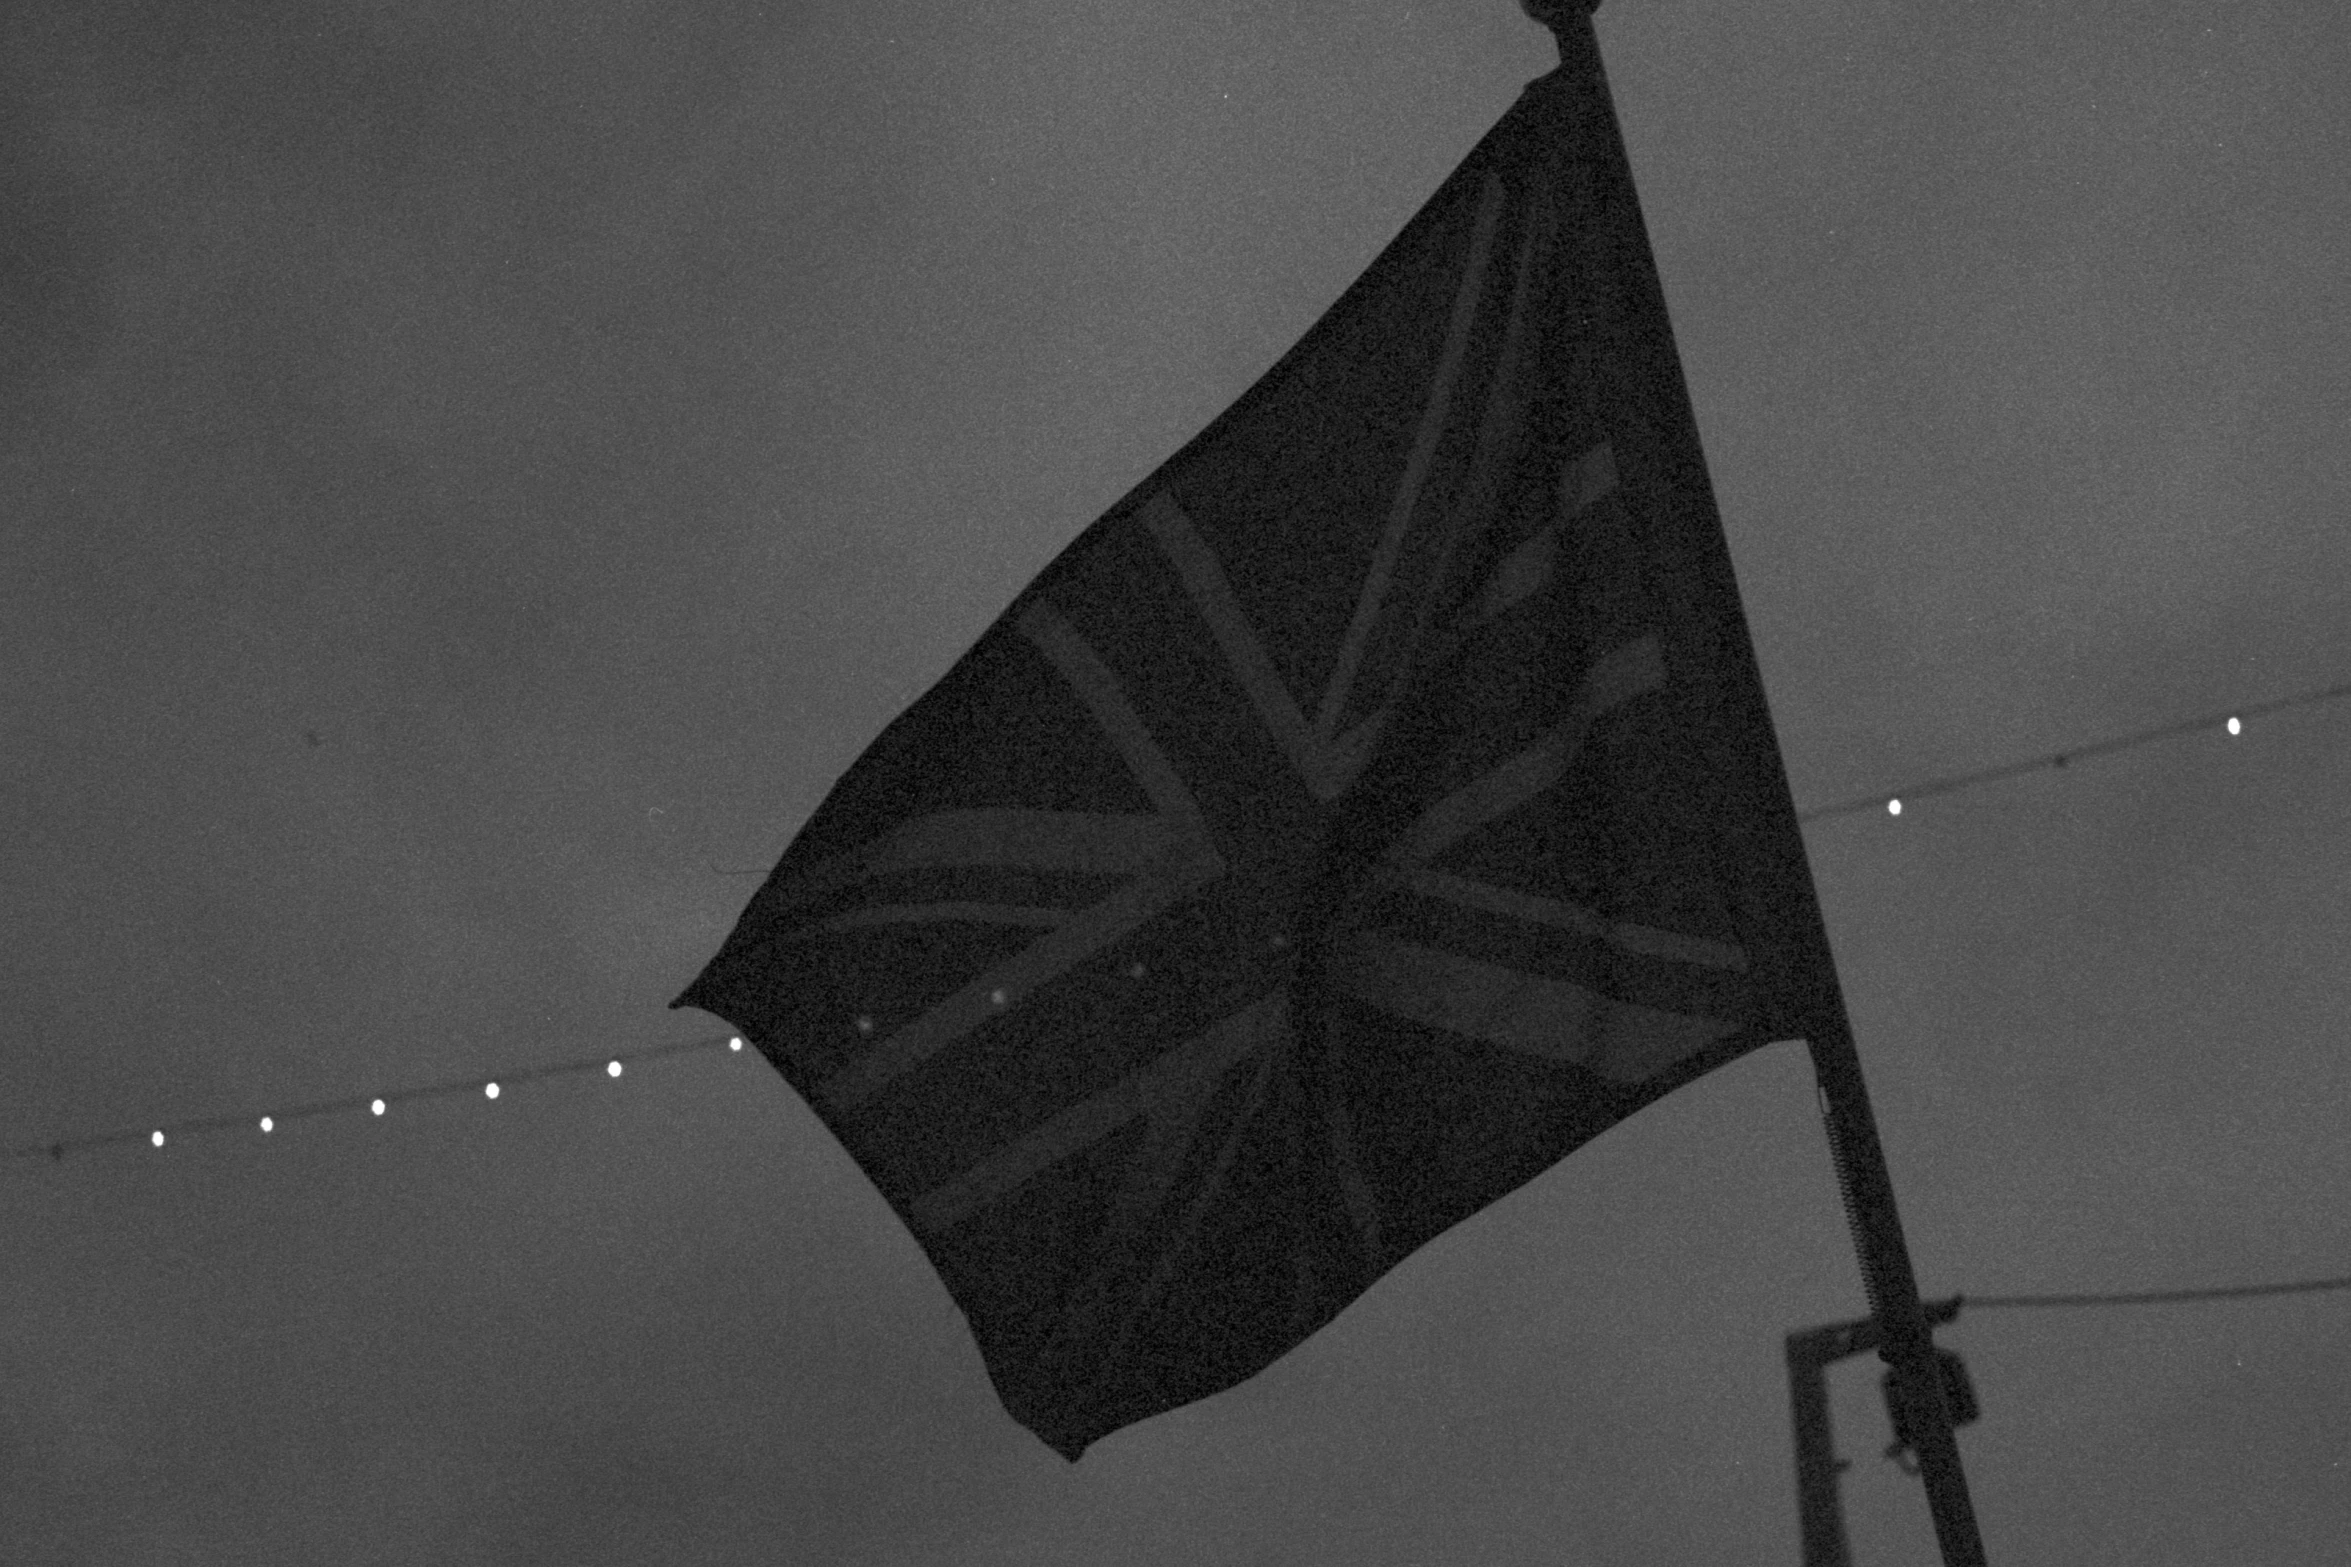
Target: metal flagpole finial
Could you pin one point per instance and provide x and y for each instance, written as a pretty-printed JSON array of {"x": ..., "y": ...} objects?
[
  {"x": 1557, "y": 13},
  {"x": 1560, "y": 15}
]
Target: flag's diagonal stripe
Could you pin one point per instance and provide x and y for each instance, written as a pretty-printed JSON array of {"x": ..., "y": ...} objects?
[
  {"x": 1186, "y": 858},
  {"x": 1327, "y": 767},
  {"x": 1091, "y": 843},
  {"x": 1528, "y": 569},
  {"x": 1590, "y": 478},
  {"x": 1373, "y": 596},
  {"x": 1617, "y": 677},
  {"x": 1363, "y": 1210},
  {"x": 1078, "y": 936},
  {"x": 1212, "y": 596},
  {"x": 1524, "y": 572},
  {"x": 1648, "y": 940},
  {"x": 1530, "y": 1013},
  {"x": 1495, "y": 454},
  {"x": 1182, "y": 1077},
  {"x": 1098, "y": 688},
  {"x": 934, "y": 913},
  {"x": 1144, "y": 1188}
]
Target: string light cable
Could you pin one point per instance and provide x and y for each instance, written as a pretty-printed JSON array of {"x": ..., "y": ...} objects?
[
  {"x": 610, "y": 1063},
  {"x": 1901, "y": 1451},
  {"x": 2231, "y": 719}
]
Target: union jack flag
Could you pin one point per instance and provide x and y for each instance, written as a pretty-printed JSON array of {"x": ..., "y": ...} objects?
[{"x": 1373, "y": 806}]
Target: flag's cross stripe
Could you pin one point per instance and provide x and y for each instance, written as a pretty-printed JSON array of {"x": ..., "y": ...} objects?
[
  {"x": 1373, "y": 596},
  {"x": 1183, "y": 858},
  {"x": 1172, "y": 1091},
  {"x": 1085, "y": 1337},
  {"x": 1647, "y": 940},
  {"x": 1554, "y": 1019}
]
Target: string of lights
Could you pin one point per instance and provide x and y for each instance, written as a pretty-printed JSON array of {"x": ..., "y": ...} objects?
[
  {"x": 611, "y": 1064},
  {"x": 2231, "y": 721},
  {"x": 490, "y": 1087}
]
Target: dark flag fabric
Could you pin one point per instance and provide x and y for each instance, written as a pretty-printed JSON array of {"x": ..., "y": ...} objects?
[{"x": 1374, "y": 805}]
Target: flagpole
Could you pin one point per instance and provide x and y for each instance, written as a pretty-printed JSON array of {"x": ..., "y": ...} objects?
[
  {"x": 1854, "y": 1150},
  {"x": 1903, "y": 1341}
]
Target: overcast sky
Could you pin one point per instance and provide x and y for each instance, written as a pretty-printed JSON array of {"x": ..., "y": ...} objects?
[{"x": 466, "y": 469}]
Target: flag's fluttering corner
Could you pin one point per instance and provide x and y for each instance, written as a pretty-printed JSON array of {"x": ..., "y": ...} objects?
[{"x": 1376, "y": 804}]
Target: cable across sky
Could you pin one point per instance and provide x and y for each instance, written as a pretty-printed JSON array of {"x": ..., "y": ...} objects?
[
  {"x": 491, "y": 1085},
  {"x": 2159, "y": 1297},
  {"x": 2228, "y": 719}
]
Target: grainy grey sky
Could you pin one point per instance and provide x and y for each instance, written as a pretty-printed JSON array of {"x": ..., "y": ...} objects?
[{"x": 465, "y": 468}]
